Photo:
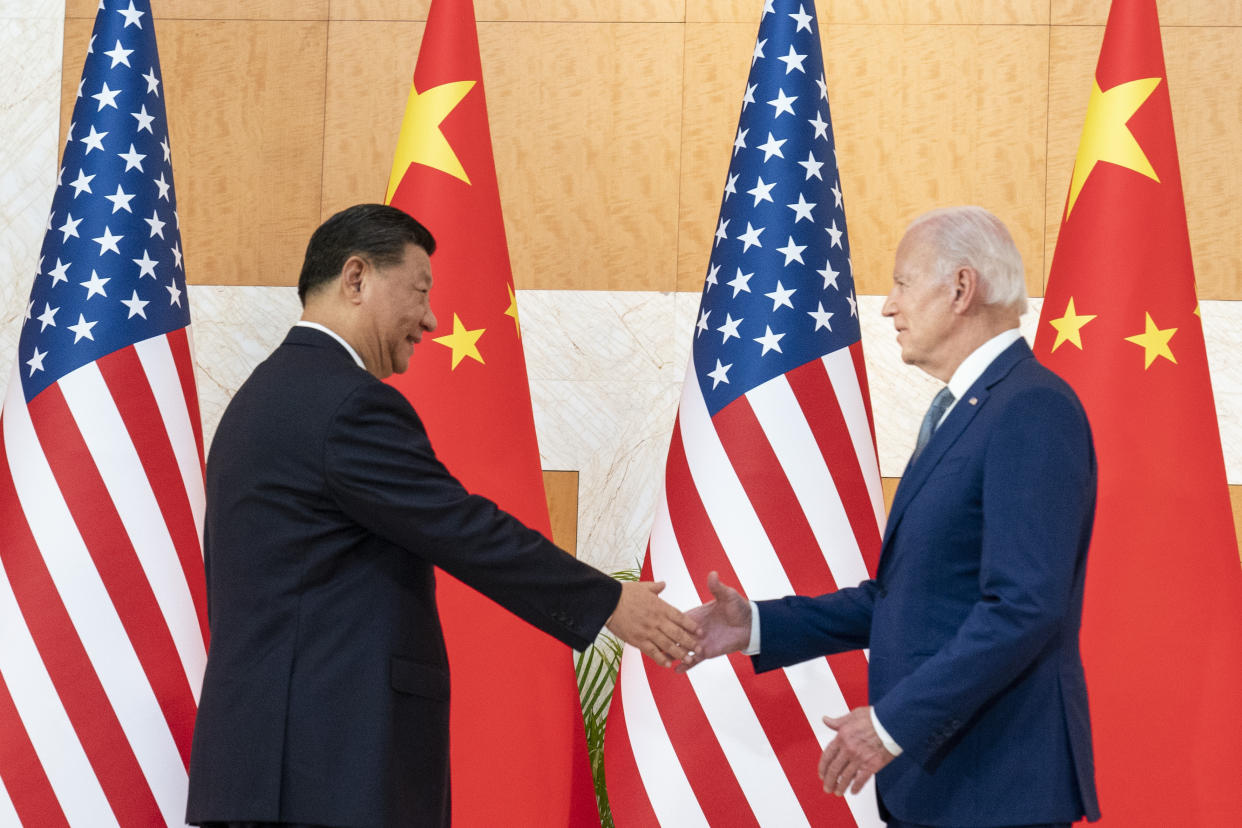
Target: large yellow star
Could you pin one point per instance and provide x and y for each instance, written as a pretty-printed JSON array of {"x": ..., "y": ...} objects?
[
  {"x": 1105, "y": 136},
  {"x": 512, "y": 310},
  {"x": 462, "y": 342},
  {"x": 421, "y": 141},
  {"x": 1069, "y": 327},
  {"x": 1155, "y": 342}
]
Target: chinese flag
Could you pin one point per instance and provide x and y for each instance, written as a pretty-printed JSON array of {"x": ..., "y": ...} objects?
[
  {"x": 1162, "y": 626},
  {"x": 518, "y": 746}
]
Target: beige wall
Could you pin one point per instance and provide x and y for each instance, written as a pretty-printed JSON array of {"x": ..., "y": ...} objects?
[{"x": 613, "y": 119}]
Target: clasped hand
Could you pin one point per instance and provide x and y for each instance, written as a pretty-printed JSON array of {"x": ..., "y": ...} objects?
[
  {"x": 851, "y": 757},
  {"x": 655, "y": 627}
]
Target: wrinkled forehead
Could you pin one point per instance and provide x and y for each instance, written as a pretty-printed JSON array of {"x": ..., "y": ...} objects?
[{"x": 916, "y": 254}]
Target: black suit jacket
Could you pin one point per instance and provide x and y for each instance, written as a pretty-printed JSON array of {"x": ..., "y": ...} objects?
[{"x": 326, "y": 694}]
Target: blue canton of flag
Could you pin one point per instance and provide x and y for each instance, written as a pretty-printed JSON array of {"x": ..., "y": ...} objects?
[
  {"x": 110, "y": 272},
  {"x": 780, "y": 288}
]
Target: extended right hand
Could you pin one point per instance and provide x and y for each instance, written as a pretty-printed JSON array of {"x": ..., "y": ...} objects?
[
  {"x": 725, "y": 624},
  {"x": 649, "y": 623}
]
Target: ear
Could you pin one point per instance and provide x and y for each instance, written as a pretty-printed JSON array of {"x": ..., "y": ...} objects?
[
  {"x": 965, "y": 284},
  {"x": 353, "y": 273}
]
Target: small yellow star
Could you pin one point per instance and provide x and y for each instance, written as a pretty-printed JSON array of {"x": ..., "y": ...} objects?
[
  {"x": 421, "y": 141},
  {"x": 462, "y": 342},
  {"x": 1069, "y": 327},
  {"x": 513, "y": 311},
  {"x": 1155, "y": 342},
  {"x": 1105, "y": 136}
]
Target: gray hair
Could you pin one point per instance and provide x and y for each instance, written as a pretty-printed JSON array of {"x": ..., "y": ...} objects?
[{"x": 972, "y": 237}]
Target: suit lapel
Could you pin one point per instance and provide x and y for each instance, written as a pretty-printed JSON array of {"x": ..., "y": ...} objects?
[{"x": 954, "y": 425}]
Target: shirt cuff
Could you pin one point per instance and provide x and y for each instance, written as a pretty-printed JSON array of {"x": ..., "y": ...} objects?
[
  {"x": 752, "y": 648},
  {"x": 889, "y": 745}
]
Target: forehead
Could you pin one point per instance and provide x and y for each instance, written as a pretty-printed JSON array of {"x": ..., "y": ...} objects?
[
  {"x": 416, "y": 266},
  {"x": 915, "y": 255}
]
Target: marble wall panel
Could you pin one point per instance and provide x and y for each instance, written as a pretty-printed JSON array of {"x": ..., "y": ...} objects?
[
  {"x": 234, "y": 329},
  {"x": 1222, "y": 330},
  {"x": 31, "y": 33}
]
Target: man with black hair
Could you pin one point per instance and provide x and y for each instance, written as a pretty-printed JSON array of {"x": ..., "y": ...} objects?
[{"x": 325, "y": 698}]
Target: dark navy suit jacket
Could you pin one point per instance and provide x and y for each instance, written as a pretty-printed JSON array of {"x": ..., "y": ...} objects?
[
  {"x": 326, "y": 692},
  {"x": 972, "y": 619}
]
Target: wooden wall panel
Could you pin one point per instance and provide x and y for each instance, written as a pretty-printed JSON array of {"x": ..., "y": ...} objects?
[
  {"x": 586, "y": 123},
  {"x": 926, "y": 116},
  {"x": 889, "y": 487},
  {"x": 832, "y": 12},
  {"x": 561, "y": 489},
  {"x": 716, "y": 66},
  {"x": 1172, "y": 12},
  {"x": 370, "y": 67},
  {"x": 218, "y": 9},
  {"x": 1204, "y": 65},
  {"x": 246, "y": 133},
  {"x": 916, "y": 127},
  {"x": 580, "y": 11},
  {"x": 1235, "y": 494}
]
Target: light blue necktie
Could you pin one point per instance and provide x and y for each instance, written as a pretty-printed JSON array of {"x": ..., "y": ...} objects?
[{"x": 939, "y": 404}]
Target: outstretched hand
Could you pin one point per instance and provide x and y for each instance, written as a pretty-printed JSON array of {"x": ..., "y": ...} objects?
[
  {"x": 725, "y": 624},
  {"x": 652, "y": 625},
  {"x": 854, "y": 755}
]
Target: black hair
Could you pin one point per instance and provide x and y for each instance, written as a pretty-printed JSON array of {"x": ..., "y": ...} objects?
[{"x": 376, "y": 232}]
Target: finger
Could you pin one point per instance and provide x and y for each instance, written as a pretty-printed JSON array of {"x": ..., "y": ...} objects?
[
  {"x": 718, "y": 590},
  {"x": 670, "y": 646},
  {"x": 835, "y": 723},
  {"x": 684, "y": 634},
  {"x": 860, "y": 780},
  {"x": 656, "y": 587},
  {"x": 826, "y": 758},
  {"x": 653, "y": 651},
  {"x": 835, "y": 768},
  {"x": 845, "y": 777}
]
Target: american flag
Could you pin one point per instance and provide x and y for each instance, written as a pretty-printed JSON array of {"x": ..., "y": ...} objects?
[
  {"x": 102, "y": 600},
  {"x": 772, "y": 477}
]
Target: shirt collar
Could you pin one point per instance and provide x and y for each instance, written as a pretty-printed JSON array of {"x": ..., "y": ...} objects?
[
  {"x": 302, "y": 323},
  {"x": 973, "y": 366}
]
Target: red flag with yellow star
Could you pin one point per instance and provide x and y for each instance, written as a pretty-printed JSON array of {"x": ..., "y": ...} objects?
[
  {"x": 519, "y": 754},
  {"x": 1161, "y": 635}
]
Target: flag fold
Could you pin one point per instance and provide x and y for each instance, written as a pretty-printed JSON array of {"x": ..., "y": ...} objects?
[
  {"x": 771, "y": 479},
  {"x": 1161, "y": 640},
  {"x": 102, "y": 600}
]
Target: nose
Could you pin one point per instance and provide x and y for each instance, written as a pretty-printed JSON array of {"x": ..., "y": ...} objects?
[
  {"x": 890, "y": 306},
  {"x": 429, "y": 321}
]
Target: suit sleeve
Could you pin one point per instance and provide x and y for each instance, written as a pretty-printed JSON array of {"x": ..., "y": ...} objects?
[
  {"x": 381, "y": 470},
  {"x": 1038, "y": 502},
  {"x": 798, "y": 628}
]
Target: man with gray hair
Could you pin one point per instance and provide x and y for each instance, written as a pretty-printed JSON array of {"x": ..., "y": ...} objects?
[{"x": 978, "y": 713}]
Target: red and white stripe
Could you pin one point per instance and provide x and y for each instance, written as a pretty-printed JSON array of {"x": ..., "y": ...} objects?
[
  {"x": 779, "y": 493},
  {"x": 102, "y": 597}
]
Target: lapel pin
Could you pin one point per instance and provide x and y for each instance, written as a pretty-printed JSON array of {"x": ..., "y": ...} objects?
[{"x": 974, "y": 400}]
